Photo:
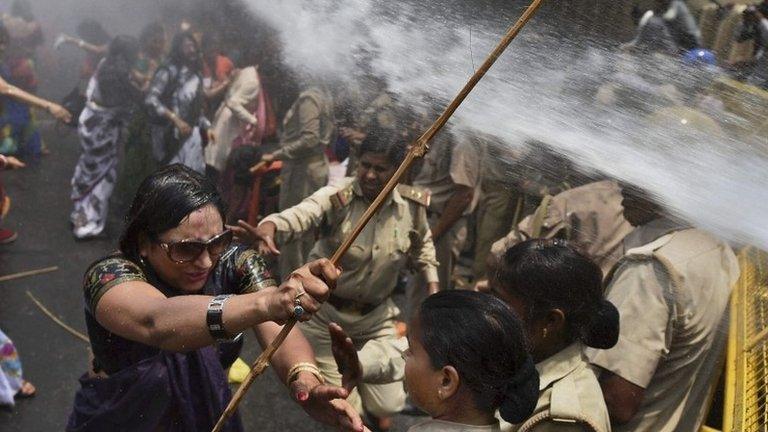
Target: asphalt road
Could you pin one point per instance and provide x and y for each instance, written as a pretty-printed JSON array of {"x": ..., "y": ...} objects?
[{"x": 52, "y": 358}]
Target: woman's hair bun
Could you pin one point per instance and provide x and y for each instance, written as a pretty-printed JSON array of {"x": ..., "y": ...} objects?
[
  {"x": 521, "y": 394},
  {"x": 602, "y": 328}
]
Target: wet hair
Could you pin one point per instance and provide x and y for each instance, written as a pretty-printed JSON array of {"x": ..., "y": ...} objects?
[
  {"x": 92, "y": 32},
  {"x": 176, "y": 55},
  {"x": 551, "y": 274},
  {"x": 384, "y": 141},
  {"x": 163, "y": 201},
  {"x": 482, "y": 338}
]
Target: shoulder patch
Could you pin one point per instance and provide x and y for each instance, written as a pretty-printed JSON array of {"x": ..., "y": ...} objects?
[
  {"x": 343, "y": 197},
  {"x": 419, "y": 195}
]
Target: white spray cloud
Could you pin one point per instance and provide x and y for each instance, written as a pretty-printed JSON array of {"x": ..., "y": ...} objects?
[{"x": 538, "y": 89}]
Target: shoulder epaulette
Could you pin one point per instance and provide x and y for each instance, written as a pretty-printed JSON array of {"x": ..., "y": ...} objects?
[
  {"x": 414, "y": 193},
  {"x": 343, "y": 197}
]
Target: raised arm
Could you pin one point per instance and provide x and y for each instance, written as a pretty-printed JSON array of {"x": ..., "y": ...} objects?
[
  {"x": 138, "y": 311},
  {"x": 54, "y": 109}
]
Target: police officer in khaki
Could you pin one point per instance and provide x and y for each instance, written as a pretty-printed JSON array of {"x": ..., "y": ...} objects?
[
  {"x": 558, "y": 293},
  {"x": 450, "y": 171},
  {"x": 396, "y": 237},
  {"x": 671, "y": 288},
  {"x": 590, "y": 217},
  {"x": 308, "y": 129}
]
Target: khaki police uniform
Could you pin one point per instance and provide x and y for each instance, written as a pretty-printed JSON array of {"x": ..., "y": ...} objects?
[
  {"x": 434, "y": 425},
  {"x": 442, "y": 168},
  {"x": 397, "y": 237},
  {"x": 500, "y": 200},
  {"x": 308, "y": 128},
  {"x": 590, "y": 217},
  {"x": 671, "y": 288},
  {"x": 570, "y": 398}
]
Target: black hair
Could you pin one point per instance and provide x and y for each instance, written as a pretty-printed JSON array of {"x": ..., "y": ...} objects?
[
  {"x": 92, "y": 32},
  {"x": 163, "y": 201},
  {"x": 384, "y": 141},
  {"x": 482, "y": 338},
  {"x": 113, "y": 74},
  {"x": 176, "y": 56},
  {"x": 550, "y": 274},
  {"x": 149, "y": 33}
]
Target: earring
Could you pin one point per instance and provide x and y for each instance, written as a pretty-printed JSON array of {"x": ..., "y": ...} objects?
[
  {"x": 440, "y": 394},
  {"x": 141, "y": 260},
  {"x": 545, "y": 333}
]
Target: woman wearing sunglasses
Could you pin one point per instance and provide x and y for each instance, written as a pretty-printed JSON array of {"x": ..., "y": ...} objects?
[{"x": 156, "y": 309}]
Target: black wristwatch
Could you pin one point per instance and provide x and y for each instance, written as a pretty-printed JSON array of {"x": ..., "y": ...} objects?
[{"x": 214, "y": 319}]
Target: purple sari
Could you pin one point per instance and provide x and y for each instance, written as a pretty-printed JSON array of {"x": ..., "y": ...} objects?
[{"x": 168, "y": 392}]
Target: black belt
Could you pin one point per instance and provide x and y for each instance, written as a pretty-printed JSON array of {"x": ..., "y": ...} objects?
[{"x": 351, "y": 306}]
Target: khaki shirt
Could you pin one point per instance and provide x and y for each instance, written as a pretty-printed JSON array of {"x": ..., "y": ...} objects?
[
  {"x": 568, "y": 392},
  {"x": 381, "y": 110},
  {"x": 591, "y": 217},
  {"x": 433, "y": 425},
  {"x": 308, "y": 126},
  {"x": 397, "y": 235},
  {"x": 672, "y": 289},
  {"x": 446, "y": 165},
  {"x": 382, "y": 360}
]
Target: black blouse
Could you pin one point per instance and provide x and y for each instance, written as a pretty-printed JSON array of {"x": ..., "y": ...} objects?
[{"x": 239, "y": 271}]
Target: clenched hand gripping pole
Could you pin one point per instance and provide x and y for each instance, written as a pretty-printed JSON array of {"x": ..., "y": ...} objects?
[{"x": 419, "y": 149}]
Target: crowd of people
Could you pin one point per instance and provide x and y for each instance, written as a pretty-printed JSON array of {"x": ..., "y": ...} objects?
[{"x": 539, "y": 296}]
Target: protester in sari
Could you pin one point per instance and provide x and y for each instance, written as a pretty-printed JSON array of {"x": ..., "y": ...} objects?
[
  {"x": 12, "y": 99},
  {"x": 155, "y": 309},
  {"x": 7, "y": 163},
  {"x": 111, "y": 96},
  {"x": 12, "y": 383},
  {"x": 178, "y": 126},
  {"x": 137, "y": 161}
]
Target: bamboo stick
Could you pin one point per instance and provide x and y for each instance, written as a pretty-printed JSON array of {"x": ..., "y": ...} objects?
[
  {"x": 418, "y": 150},
  {"x": 28, "y": 273},
  {"x": 56, "y": 319}
]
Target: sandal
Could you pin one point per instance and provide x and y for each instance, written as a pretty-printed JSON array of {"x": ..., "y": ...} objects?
[{"x": 26, "y": 391}]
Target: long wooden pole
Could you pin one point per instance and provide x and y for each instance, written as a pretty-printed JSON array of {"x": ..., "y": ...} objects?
[
  {"x": 419, "y": 149},
  {"x": 28, "y": 273}
]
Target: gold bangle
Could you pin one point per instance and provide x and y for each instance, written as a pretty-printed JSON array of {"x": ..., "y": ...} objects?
[{"x": 298, "y": 368}]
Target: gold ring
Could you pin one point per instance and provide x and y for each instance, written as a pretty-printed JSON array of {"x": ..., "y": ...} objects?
[{"x": 300, "y": 294}]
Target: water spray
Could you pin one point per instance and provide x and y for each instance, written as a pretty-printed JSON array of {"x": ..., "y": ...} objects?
[{"x": 418, "y": 150}]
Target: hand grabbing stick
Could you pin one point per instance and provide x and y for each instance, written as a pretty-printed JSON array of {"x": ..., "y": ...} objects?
[{"x": 418, "y": 150}]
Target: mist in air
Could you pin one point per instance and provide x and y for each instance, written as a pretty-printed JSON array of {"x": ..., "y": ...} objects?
[{"x": 544, "y": 88}]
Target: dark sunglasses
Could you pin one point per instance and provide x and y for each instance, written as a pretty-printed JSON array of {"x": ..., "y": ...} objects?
[{"x": 186, "y": 251}]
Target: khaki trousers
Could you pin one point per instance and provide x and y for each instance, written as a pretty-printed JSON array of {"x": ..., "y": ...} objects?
[
  {"x": 447, "y": 251},
  {"x": 380, "y": 400},
  {"x": 495, "y": 214}
]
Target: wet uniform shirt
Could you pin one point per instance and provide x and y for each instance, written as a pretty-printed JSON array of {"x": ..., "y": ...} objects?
[
  {"x": 397, "y": 234},
  {"x": 308, "y": 126},
  {"x": 590, "y": 217},
  {"x": 671, "y": 289},
  {"x": 433, "y": 425},
  {"x": 569, "y": 395},
  {"x": 238, "y": 271},
  {"x": 447, "y": 165}
]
